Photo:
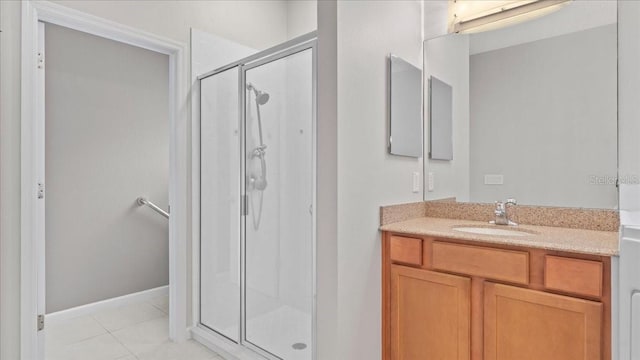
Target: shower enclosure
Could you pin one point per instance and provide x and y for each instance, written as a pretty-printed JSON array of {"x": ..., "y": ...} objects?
[{"x": 257, "y": 196}]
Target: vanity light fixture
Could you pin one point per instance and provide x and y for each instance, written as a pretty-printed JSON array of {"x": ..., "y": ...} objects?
[{"x": 469, "y": 16}]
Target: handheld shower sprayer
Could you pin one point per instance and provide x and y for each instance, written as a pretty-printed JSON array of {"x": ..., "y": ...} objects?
[
  {"x": 258, "y": 182},
  {"x": 261, "y": 98}
]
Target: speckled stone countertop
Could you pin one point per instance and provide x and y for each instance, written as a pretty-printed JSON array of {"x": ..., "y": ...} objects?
[{"x": 604, "y": 243}]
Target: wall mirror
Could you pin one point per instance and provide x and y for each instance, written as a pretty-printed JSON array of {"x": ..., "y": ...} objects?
[
  {"x": 440, "y": 119},
  {"x": 534, "y": 110},
  {"x": 405, "y": 108}
]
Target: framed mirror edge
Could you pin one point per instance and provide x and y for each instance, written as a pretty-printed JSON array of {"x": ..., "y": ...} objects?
[{"x": 417, "y": 154}]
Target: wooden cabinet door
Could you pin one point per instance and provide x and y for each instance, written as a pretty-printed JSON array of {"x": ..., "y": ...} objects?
[
  {"x": 430, "y": 315},
  {"x": 523, "y": 324}
]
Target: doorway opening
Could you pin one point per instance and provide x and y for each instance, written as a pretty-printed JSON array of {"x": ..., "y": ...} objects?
[{"x": 79, "y": 257}]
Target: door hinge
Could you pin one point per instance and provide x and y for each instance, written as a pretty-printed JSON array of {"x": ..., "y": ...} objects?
[
  {"x": 40, "y": 190},
  {"x": 40, "y": 60},
  {"x": 40, "y": 322}
]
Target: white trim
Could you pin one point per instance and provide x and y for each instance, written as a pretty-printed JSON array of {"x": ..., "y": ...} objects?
[
  {"x": 32, "y": 12},
  {"x": 112, "y": 303},
  {"x": 195, "y": 195},
  {"x": 77, "y": 20},
  {"x": 314, "y": 225},
  {"x": 39, "y": 174},
  {"x": 29, "y": 348}
]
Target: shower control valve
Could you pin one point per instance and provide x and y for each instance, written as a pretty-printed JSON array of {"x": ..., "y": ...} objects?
[{"x": 259, "y": 152}]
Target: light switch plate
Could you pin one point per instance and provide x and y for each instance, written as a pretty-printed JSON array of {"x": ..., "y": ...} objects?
[
  {"x": 416, "y": 182},
  {"x": 431, "y": 182}
]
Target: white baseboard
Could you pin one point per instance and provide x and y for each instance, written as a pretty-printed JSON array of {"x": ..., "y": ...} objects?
[{"x": 95, "y": 307}]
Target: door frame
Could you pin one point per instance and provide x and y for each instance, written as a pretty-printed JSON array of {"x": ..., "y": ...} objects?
[{"x": 32, "y": 121}]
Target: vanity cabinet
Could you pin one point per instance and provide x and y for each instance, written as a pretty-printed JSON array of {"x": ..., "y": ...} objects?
[
  {"x": 448, "y": 299},
  {"x": 526, "y": 324},
  {"x": 430, "y": 314}
]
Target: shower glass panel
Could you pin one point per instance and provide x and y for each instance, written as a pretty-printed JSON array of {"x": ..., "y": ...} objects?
[
  {"x": 257, "y": 194},
  {"x": 220, "y": 214},
  {"x": 279, "y": 185}
]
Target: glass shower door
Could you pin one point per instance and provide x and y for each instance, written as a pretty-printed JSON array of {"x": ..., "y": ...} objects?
[
  {"x": 220, "y": 213},
  {"x": 279, "y": 188}
]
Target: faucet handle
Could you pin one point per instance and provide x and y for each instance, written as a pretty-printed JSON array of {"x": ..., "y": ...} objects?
[{"x": 508, "y": 215}]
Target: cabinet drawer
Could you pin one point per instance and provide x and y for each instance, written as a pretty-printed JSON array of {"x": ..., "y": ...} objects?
[
  {"x": 575, "y": 276},
  {"x": 406, "y": 250},
  {"x": 498, "y": 264}
]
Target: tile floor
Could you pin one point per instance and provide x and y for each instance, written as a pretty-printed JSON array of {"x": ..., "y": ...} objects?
[{"x": 133, "y": 332}]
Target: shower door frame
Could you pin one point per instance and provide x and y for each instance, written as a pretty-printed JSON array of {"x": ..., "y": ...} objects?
[{"x": 200, "y": 331}]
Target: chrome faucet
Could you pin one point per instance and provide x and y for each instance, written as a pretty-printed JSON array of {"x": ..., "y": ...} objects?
[{"x": 502, "y": 213}]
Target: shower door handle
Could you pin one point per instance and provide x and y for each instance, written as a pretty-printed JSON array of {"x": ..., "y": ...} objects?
[{"x": 244, "y": 205}]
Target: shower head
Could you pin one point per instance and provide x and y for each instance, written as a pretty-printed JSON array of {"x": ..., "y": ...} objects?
[{"x": 261, "y": 97}]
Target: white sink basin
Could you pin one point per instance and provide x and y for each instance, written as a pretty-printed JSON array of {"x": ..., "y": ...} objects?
[{"x": 491, "y": 231}]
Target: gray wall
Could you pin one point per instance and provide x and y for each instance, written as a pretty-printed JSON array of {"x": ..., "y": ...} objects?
[
  {"x": 10, "y": 180},
  {"x": 107, "y": 142},
  {"x": 447, "y": 58},
  {"x": 567, "y": 132},
  {"x": 327, "y": 183},
  {"x": 368, "y": 176}
]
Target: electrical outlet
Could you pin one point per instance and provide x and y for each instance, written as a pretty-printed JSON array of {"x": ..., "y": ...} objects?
[
  {"x": 431, "y": 182},
  {"x": 416, "y": 182},
  {"x": 494, "y": 179}
]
